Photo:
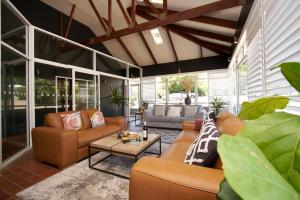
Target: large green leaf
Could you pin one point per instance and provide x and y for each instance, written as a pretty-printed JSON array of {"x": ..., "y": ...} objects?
[
  {"x": 255, "y": 109},
  {"x": 291, "y": 71},
  {"x": 249, "y": 173},
  {"x": 226, "y": 192},
  {"x": 278, "y": 137}
]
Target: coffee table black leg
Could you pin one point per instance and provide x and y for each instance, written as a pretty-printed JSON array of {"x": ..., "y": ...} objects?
[
  {"x": 89, "y": 156},
  {"x": 159, "y": 147}
]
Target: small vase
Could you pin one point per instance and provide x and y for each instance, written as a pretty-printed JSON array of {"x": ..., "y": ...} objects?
[{"x": 187, "y": 100}]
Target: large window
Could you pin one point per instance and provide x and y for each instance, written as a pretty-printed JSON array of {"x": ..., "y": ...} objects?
[{"x": 170, "y": 89}]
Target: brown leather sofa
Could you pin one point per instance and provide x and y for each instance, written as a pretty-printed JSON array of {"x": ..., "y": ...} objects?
[
  {"x": 168, "y": 178},
  {"x": 55, "y": 145}
]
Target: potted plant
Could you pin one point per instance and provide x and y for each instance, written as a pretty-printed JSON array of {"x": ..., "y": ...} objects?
[
  {"x": 217, "y": 104},
  {"x": 188, "y": 85},
  {"x": 143, "y": 106},
  {"x": 115, "y": 98},
  {"x": 262, "y": 161}
]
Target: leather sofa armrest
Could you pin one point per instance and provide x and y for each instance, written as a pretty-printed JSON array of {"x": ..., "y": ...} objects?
[
  {"x": 159, "y": 179},
  {"x": 119, "y": 121},
  {"x": 56, "y": 146},
  {"x": 188, "y": 125}
]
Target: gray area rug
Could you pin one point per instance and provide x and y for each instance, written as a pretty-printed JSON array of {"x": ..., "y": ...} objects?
[
  {"x": 81, "y": 182},
  {"x": 167, "y": 135}
]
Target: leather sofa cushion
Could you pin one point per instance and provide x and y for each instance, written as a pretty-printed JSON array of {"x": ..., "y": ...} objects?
[
  {"x": 231, "y": 126},
  {"x": 176, "y": 152},
  {"x": 85, "y": 137},
  {"x": 54, "y": 119},
  {"x": 159, "y": 119},
  {"x": 187, "y": 136}
]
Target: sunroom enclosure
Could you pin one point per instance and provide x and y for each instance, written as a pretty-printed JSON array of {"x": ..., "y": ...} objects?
[{"x": 39, "y": 76}]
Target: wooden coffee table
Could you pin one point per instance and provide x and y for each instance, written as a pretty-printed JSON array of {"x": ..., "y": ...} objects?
[{"x": 114, "y": 146}]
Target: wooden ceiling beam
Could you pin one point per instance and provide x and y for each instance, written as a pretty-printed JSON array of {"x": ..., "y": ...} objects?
[
  {"x": 70, "y": 21},
  {"x": 153, "y": 8},
  {"x": 172, "y": 18},
  {"x": 129, "y": 22},
  {"x": 165, "y": 7},
  {"x": 109, "y": 17},
  {"x": 202, "y": 33},
  {"x": 148, "y": 47},
  {"x": 190, "y": 30},
  {"x": 133, "y": 10},
  {"x": 98, "y": 15},
  {"x": 217, "y": 48},
  {"x": 202, "y": 19},
  {"x": 172, "y": 45},
  {"x": 124, "y": 46}
]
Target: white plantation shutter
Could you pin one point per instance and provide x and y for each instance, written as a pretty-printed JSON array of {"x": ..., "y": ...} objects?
[
  {"x": 255, "y": 75},
  {"x": 254, "y": 52},
  {"x": 282, "y": 44}
]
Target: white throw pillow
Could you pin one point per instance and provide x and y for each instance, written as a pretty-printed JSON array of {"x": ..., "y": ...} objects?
[
  {"x": 160, "y": 111},
  {"x": 174, "y": 111}
]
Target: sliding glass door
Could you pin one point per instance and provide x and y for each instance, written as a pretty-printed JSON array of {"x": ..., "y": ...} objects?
[{"x": 13, "y": 103}]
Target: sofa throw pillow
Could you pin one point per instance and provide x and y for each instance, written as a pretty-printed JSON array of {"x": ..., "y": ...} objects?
[
  {"x": 203, "y": 151},
  {"x": 97, "y": 119},
  {"x": 190, "y": 111},
  {"x": 72, "y": 121},
  {"x": 209, "y": 116},
  {"x": 160, "y": 111},
  {"x": 174, "y": 111}
]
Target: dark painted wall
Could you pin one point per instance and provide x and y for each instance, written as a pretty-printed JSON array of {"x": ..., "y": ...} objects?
[
  {"x": 106, "y": 84},
  {"x": 199, "y": 64}
]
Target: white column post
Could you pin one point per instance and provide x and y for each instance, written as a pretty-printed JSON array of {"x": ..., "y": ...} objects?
[
  {"x": 126, "y": 106},
  {"x": 141, "y": 87},
  {"x": 31, "y": 81}
]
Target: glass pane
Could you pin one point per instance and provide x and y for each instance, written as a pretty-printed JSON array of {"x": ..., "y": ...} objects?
[
  {"x": 51, "y": 48},
  {"x": 14, "y": 103},
  {"x": 108, "y": 65},
  {"x": 149, "y": 91},
  {"x": 134, "y": 95},
  {"x": 85, "y": 91},
  {"x": 107, "y": 106},
  {"x": 53, "y": 91},
  {"x": 13, "y": 30},
  {"x": 161, "y": 90}
]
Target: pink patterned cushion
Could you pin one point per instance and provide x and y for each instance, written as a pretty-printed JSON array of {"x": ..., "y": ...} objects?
[
  {"x": 72, "y": 121},
  {"x": 97, "y": 119}
]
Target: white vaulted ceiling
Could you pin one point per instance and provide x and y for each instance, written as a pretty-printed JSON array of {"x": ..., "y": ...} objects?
[{"x": 163, "y": 52}]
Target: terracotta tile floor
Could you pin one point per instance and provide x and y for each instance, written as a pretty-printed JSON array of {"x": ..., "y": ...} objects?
[
  {"x": 22, "y": 173},
  {"x": 25, "y": 171}
]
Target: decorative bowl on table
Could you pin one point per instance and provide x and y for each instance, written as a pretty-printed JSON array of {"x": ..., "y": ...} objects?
[{"x": 128, "y": 136}]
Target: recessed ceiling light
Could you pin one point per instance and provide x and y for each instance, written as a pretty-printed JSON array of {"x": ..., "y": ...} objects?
[{"x": 156, "y": 36}]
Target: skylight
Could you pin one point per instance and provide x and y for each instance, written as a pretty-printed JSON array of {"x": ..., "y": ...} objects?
[
  {"x": 156, "y": 36},
  {"x": 154, "y": 1}
]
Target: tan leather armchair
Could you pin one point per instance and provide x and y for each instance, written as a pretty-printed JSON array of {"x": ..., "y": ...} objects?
[
  {"x": 55, "y": 145},
  {"x": 168, "y": 178}
]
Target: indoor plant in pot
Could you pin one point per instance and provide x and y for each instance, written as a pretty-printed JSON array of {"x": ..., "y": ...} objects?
[
  {"x": 188, "y": 85},
  {"x": 115, "y": 98}
]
